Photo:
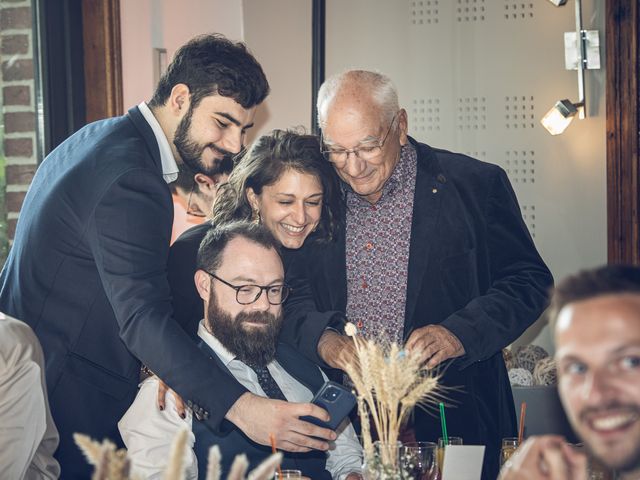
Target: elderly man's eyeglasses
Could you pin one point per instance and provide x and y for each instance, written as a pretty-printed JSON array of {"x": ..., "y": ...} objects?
[
  {"x": 248, "y": 294},
  {"x": 367, "y": 152}
]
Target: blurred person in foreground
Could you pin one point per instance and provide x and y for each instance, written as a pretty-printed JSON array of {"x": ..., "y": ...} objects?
[
  {"x": 595, "y": 317},
  {"x": 240, "y": 280},
  {"x": 28, "y": 436}
]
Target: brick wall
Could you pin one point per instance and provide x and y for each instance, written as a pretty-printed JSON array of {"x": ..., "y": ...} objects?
[{"x": 18, "y": 103}]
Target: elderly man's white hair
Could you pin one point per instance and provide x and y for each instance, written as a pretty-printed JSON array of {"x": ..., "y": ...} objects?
[{"x": 382, "y": 90}]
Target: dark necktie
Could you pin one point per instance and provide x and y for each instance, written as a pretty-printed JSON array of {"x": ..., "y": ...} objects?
[{"x": 268, "y": 383}]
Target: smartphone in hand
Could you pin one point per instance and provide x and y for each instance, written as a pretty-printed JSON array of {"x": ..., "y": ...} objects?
[{"x": 335, "y": 399}]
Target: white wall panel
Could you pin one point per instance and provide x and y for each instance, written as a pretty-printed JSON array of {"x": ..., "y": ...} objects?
[
  {"x": 278, "y": 32},
  {"x": 168, "y": 24}
]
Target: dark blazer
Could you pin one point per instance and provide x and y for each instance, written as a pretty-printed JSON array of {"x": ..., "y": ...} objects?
[
  {"x": 473, "y": 268},
  {"x": 312, "y": 464},
  {"x": 87, "y": 271},
  {"x": 187, "y": 305}
]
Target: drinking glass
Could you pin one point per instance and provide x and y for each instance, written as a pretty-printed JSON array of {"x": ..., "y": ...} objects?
[
  {"x": 509, "y": 446},
  {"x": 418, "y": 460},
  {"x": 441, "y": 446},
  {"x": 289, "y": 474}
]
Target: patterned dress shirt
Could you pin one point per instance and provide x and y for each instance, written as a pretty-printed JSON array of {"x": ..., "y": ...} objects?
[{"x": 378, "y": 238}]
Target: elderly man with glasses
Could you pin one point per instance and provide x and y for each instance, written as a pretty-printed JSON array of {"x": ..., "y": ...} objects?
[
  {"x": 435, "y": 254},
  {"x": 240, "y": 278}
]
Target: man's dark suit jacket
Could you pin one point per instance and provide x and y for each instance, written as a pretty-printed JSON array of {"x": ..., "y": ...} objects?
[
  {"x": 473, "y": 268},
  {"x": 312, "y": 464},
  {"x": 87, "y": 271}
]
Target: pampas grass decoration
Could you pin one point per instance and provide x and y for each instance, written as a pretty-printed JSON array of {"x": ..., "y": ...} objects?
[
  {"x": 238, "y": 468},
  {"x": 91, "y": 449},
  {"x": 213, "y": 463},
  {"x": 112, "y": 464}
]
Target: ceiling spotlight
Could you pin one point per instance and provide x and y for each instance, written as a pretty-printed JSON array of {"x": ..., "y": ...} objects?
[
  {"x": 560, "y": 116},
  {"x": 557, "y": 3}
]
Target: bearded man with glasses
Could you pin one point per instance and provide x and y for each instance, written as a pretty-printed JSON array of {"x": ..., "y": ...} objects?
[
  {"x": 240, "y": 278},
  {"x": 435, "y": 255}
]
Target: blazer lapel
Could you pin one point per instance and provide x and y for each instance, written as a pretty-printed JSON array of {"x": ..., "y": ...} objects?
[{"x": 430, "y": 186}]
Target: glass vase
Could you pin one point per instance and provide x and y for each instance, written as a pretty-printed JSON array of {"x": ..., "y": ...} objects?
[{"x": 383, "y": 463}]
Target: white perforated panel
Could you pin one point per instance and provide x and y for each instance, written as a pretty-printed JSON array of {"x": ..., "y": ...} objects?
[
  {"x": 425, "y": 114},
  {"x": 424, "y": 12},
  {"x": 470, "y": 11},
  {"x": 472, "y": 113},
  {"x": 518, "y": 10},
  {"x": 519, "y": 112}
]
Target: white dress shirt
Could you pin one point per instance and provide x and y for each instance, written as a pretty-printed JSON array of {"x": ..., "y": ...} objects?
[
  {"x": 169, "y": 165},
  {"x": 28, "y": 436},
  {"x": 147, "y": 432}
]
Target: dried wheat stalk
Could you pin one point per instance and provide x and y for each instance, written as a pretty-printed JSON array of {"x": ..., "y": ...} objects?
[{"x": 390, "y": 382}]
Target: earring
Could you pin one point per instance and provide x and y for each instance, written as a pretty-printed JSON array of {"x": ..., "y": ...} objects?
[{"x": 256, "y": 217}]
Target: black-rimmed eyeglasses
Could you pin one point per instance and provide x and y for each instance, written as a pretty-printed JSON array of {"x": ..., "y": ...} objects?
[
  {"x": 248, "y": 294},
  {"x": 339, "y": 156}
]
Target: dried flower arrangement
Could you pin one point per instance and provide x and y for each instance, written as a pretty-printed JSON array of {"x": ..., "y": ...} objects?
[
  {"x": 112, "y": 464},
  {"x": 389, "y": 382}
]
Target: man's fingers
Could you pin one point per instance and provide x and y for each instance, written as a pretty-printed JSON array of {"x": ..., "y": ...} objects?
[
  {"x": 304, "y": 443},
  {"x": 311, "y": 430},
  {"x": 421, "y": 343},
  {"x": 291, "y": 447},
  {"x": 259, "y": 417},
  {"x": 577, "y": 461},
  {"x": 307, "y": 409},
  {"x": 437, "y": 358},
  {"x": 557, "y": 464},
  {"x": 416, "y": 337}
]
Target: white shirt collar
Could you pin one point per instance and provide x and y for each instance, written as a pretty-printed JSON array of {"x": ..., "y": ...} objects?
[
  {"x": 169, "y": 165},
  {"x": 225, "y": 355}
]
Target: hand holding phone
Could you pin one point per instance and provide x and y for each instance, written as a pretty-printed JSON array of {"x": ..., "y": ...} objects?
[{"x": 335, "y": 399}]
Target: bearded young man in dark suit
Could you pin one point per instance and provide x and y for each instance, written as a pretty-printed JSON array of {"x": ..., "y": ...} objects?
[
  {"x": 434, "y": 253},
  {"x": 87, "y": 270}
]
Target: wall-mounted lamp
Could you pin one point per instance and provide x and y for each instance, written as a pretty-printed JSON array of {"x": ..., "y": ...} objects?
[
  {"x": 581, "y": 51},
  {"x": 559, "y": 117}
]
